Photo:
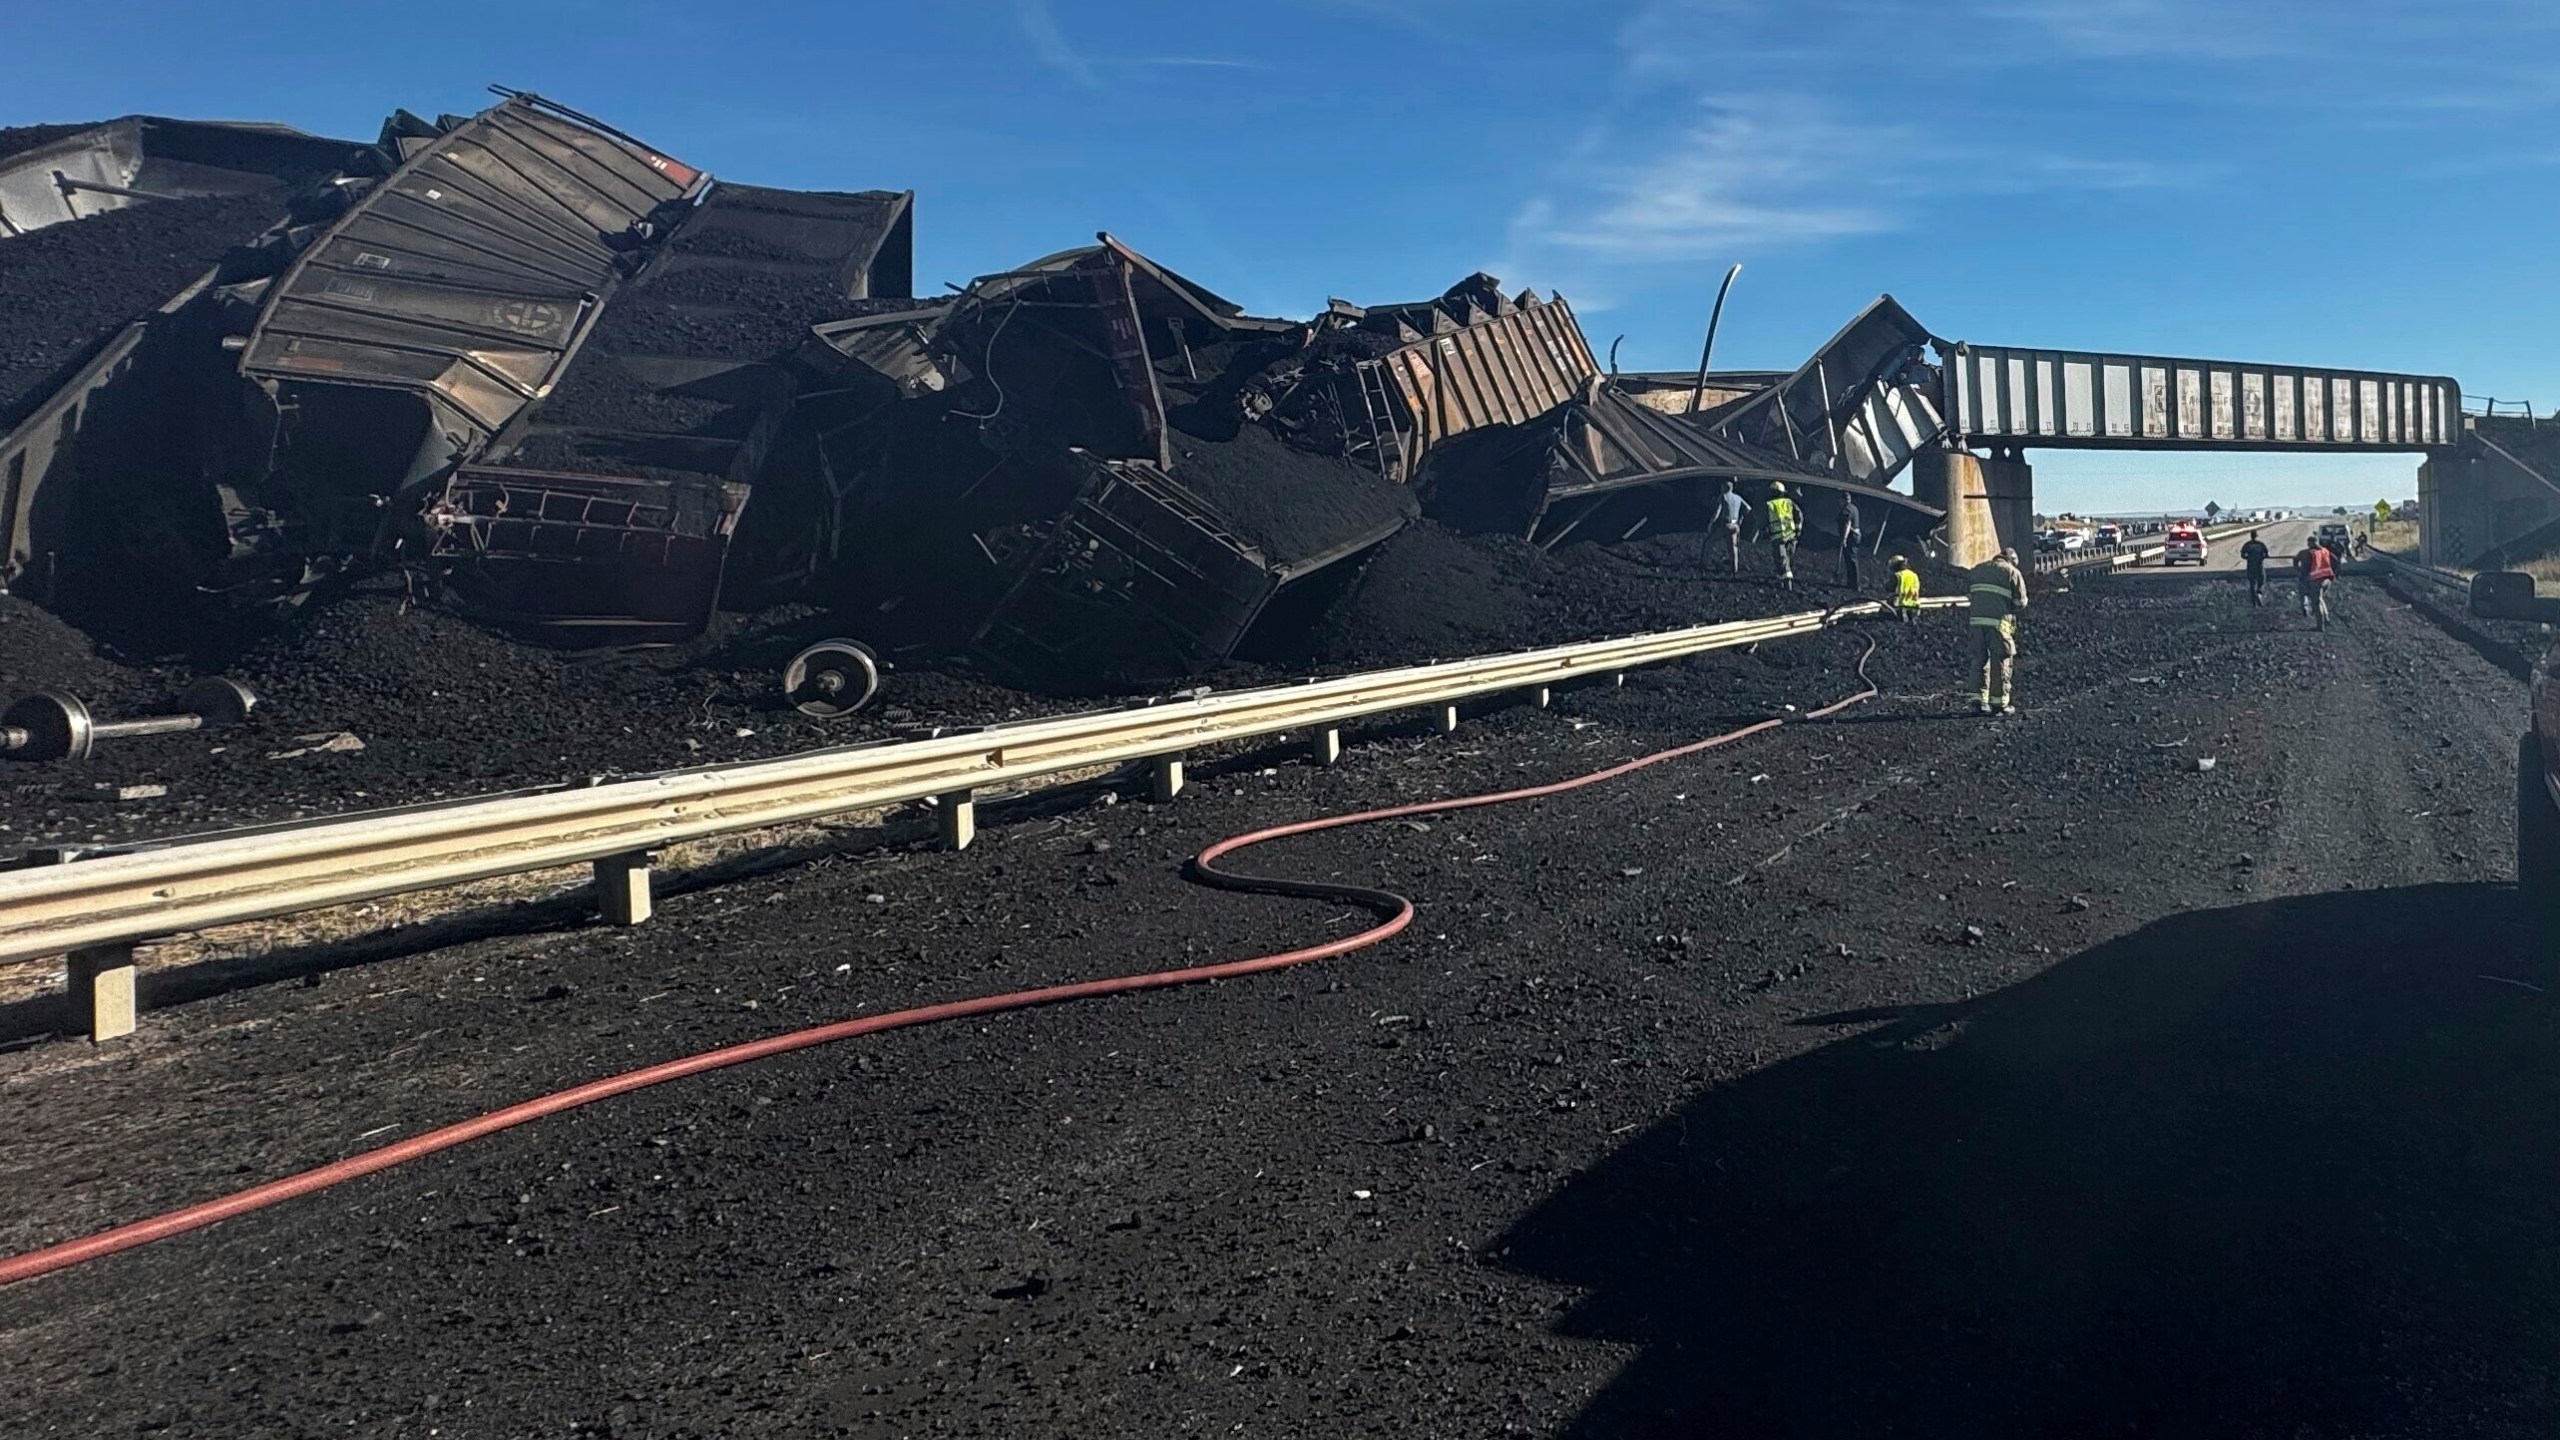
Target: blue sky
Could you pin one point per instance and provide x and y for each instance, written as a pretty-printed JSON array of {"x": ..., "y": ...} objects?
[{"x": 2351, "y": 183}]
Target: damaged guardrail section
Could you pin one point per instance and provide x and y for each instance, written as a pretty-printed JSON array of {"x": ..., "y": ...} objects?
[{"x": 95, "y": 909}]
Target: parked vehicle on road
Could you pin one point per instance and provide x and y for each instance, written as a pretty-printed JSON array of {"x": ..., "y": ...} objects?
[
  {"x": 2110, "y": 535},
  {"x": 2075, "y": 539},
  {"x": 2184, "y": 543},
  {"x": 2509, "y": 595},
  {"x": 2336, "y": 537}
]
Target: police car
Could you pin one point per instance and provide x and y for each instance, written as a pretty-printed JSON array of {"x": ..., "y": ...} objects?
[{"x": 2183, "y": 543}]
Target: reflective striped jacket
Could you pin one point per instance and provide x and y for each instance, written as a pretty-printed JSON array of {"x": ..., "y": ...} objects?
[
  {"x": 1998, "y": 592},
  {"x": 1784, "y": 523}
]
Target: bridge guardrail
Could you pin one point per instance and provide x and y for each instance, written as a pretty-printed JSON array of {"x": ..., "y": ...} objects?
[{"x": 95, "y": 908}]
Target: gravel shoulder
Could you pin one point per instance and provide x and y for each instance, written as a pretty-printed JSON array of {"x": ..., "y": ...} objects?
[{"x": 1908, "y": 1074}]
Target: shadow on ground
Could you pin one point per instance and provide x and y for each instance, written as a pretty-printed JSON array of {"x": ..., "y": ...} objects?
[{"x": 2282, "y": 1169}]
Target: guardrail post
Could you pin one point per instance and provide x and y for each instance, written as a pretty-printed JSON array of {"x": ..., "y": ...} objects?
[
  {"x": 1328, "y": 745},
  {"x": 622, "y": 887},
  {"x": 959, "y": 816},
  {"x": 102, "y": 990},
  {"x": 1448, "y": 719},
  {"x": 1164, "y": 778}
]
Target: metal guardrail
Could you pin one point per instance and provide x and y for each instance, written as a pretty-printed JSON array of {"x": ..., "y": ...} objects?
[
  {"x": 2413, "y": 571},
  {"x": 95, "y": 909}
]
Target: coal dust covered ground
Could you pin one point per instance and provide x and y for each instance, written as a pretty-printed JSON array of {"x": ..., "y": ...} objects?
[
  {"x": 1913, "y": 1074},
  {"x": 443, "y": 707}
]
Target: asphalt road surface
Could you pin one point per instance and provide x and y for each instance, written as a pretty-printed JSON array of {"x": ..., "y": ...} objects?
[
  {"x": 2168, "y": 1059},
  {"x": 2222, "y": 556}
]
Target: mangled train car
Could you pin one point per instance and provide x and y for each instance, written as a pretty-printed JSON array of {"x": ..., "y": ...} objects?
[
  {"x": 1064, "y": 469},
  {"x": 580, "y": 389},
  {"x": 524, "y": 354}
]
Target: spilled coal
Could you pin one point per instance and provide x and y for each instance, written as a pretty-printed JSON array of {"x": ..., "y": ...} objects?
[
  {"x": 1291, "y": 505},
  {"x": 445, "y": 707},
  {"x": 66, "y": 289}
]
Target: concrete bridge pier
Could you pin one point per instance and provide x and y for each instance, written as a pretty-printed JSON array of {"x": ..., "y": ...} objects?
[
  {"x": 2491, "y": 500},
  {"x": 1990, "y": 501}
]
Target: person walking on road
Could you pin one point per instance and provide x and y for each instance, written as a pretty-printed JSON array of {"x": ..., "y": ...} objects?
[
  {"x": 1727, "y": 524},
  {"x": 1850, "y": 536},
  {"x": 2314, "y": 568},
  {"x": 1998, "y": 594},
  {"x": 1906, "y": 590},
  {"x": 2254, "y": 554},
  {"x": 1786, "y": 522}
]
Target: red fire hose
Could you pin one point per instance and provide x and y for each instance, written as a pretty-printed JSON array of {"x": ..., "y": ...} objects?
[{"x": 1396, "y": 910}]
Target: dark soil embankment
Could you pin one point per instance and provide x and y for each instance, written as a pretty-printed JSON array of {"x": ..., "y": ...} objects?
[{"x": 65, "y": 289}]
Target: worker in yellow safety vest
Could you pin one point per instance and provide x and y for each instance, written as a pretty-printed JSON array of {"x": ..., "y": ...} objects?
[
  {"x": 1786, "y": 522},
  {"x": 1998, "y": 593},
  {"x": 1906, "y": 590}
]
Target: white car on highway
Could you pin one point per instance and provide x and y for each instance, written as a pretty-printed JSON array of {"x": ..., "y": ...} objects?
[{"x": 2182, "y": 544}]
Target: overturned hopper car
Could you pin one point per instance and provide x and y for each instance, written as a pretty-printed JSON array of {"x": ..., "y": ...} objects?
[{"x": 1066, "y": 470}]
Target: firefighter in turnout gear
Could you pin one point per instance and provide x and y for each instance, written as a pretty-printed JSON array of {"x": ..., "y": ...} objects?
[
  {"x": 1998, "y": 594},
  {"x": 1786, "y": 522},
  {"x": 1906, "y": 590}
]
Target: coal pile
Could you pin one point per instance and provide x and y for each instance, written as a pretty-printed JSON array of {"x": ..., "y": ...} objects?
[
  {"x": 17, "y": 138},
  {"x": 41, "y": 651},
  {"x": 375, "y": 699},
  {"x": 1291, "y": 505},
  {"x": 1433, "y": 593},
  {"x": 66, "y": 289}
]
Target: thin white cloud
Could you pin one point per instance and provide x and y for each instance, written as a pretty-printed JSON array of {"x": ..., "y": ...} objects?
[
  {"x": 1185, "y": 62},
  {"x": 1040, "y": 27},
  {"x": 1748, "y": 175}
]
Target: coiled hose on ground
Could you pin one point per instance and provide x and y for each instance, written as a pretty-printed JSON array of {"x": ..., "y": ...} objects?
[{"x": 1395, "y": 912}]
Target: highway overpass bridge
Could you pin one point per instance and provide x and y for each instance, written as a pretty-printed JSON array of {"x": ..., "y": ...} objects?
[{"x": 1872, "y": 401}]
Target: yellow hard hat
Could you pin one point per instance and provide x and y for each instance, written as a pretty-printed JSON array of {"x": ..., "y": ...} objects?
[{"x": 1777, "y": 487}]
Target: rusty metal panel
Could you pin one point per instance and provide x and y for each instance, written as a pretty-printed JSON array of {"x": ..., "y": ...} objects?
[
  {"x": 1495, "y": 359},
  {"x": 1125, "y": 341},
  {"x": 1567, "y": 367},
  {"x": 471, "y": 274},
  {"x": 1505, "y": 369}
]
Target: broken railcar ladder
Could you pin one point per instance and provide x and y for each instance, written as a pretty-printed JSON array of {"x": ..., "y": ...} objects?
[{"x": 103, "y": 903}]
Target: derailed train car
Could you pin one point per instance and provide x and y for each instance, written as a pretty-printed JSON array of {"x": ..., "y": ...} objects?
[
  {"x": 583, "y": 390},
  {"x": 1065, "y": 472}
]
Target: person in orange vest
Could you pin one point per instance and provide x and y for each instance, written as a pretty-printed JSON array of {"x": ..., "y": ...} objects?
[{"x": 2314, "y": 567}]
